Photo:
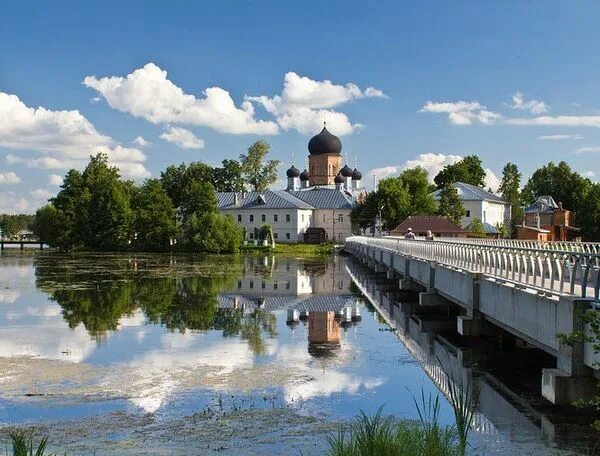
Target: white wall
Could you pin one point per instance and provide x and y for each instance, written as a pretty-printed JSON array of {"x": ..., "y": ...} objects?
[
  {"x": 324, "y": 218},
  {"x": 281, "y": 228}
]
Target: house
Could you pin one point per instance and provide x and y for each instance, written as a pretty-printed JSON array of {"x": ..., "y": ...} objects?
[
  {"x": 481, "y": 204},
  {"x": 547, "y": 221},
  {"x": 315, "y": 206},
  {"x": 490, "y": 230},
  {"x": 438, "y": 225}
]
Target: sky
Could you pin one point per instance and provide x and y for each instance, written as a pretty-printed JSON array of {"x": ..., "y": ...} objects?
[{"x": 154, "y": 83}]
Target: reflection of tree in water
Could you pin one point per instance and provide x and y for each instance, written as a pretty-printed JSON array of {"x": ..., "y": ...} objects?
[{"x": 179, "y": 304}]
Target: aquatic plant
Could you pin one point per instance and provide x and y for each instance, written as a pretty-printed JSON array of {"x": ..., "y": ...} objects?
[
  {"x": 384, "y": 436},
  {"x": 462, "y": 399},
  {"x": 22, "y": 445}
]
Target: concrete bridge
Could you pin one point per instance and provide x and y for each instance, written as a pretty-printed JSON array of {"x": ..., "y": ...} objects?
[{"x": 532, "y": 292}]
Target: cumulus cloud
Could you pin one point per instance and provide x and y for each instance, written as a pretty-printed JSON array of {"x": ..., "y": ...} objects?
[
  {"x": 65, "y": 138},
  {"x": 9, "y": 178},
  {"x": 55, "y": 179},
  {"x": 491, "y": 180},
  {"x": 41, "y": 193},
  {"x": 462, "y": 112},
  {"x": 559, "y": 137},
  {"x": 533, "y": 106},
  {"x": 183, "y": 138},
  {"x": 141, "y": 142},
  {"x": 16, "y": 203},
  {"x": 305, "y": 103},
  {"x": 147, "y": 93},
  {"x": 589, "y": 174}
]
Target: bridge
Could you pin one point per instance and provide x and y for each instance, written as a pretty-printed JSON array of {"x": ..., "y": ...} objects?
[
  {"x": 531, "y": 291},
  {"x": 22, "y": 244}
]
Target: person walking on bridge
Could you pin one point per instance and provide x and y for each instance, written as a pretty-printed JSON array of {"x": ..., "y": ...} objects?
[
  {"x": 409, "y": 234},
  {"x": 429, "y": 236}
]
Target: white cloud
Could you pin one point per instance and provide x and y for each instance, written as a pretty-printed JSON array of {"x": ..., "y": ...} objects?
[
  {"x": 491, "y": 180},
  {"x": 462, "y": 112},
  {"x": 533, "y": 106},
  {"x": 65, "y": 138},
  {"x": 589, "y": 174},
  {"x": 559, "y": 137},
  {"x": 12, "y": 203},
  {"x": 9, "y": 178},
  {"x": 586, "y": 150},
  {"x": 41, "y": 193},
  {"x": 560, "y": 121},
  {"x": 305, "y": 103},
  {"x": 183, "y": 138},
  {"x": 147, "y": 93},
  {"x": 55, "y": 179},
  {"x": 141, "y": 142}
]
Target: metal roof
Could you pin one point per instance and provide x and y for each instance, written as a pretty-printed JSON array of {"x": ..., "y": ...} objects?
[
  {"x": 324, "y": 198},
  {"x": 546, "y": 205},
  {"x": 488, "y": 228},
  {"x": 269, "y": 199},
  {"x": 422, "y": 223},
  {"x": 468, "y": 192}
]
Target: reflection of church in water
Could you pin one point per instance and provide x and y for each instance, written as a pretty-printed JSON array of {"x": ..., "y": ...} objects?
[{"x": 314, "y": 293}]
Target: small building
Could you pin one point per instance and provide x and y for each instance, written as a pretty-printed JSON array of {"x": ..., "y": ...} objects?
[
  {"x": 419, "y": 224},
  {"x": 481, "y": 204},
  {"x": 547, "y": 221},
  {"x": 26, "y": 235},
  {"x": 490, "y": 230}
]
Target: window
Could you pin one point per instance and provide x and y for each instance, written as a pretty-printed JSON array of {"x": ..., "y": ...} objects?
[
  {"x": 275, "y": 285},
  {"x": 467, "y": 213},
  {"x": 252, "y": 284},
  {"x": 263, "y": 218},
  {"x": 251, "y": 217},
  {"x": 287, "y": 285},
  {"x": 239, "y": 284},
  {"x": 275, "y": 217},
  {"x": 287, "y": 217},
  {"x": 251, "y": 235},
  {"x": 239, "y": 217},
  {"x": 276, "y": 235},
  {"x": 323, "y": 218},
  {"x": 302, "y": 217},
  {"x": 263, "y": 284},
  {"x": 287, "y": 235},
  {"x": 341, "y": 218}
]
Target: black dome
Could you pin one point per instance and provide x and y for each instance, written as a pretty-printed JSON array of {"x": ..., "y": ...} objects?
[
  {"x": 346, "y": 171},
  {"x": 324, "y": 143},
  {"x": 304, "y": 176},
  {"x": 339, "y": 179},
  {"x": 293, "y": 172},
  {"x": 356, "y": 175}
]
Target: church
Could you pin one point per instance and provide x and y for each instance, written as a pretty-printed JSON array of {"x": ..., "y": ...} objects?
[{"x": 315, "y": 205}]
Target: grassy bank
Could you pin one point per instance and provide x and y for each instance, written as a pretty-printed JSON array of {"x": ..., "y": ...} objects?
[{"x": 292, "y": 249}]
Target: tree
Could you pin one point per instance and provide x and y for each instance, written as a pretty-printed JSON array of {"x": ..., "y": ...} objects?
[
  {"x": 200, "y": 199},
  {"x": 177, "y": 180},
  {"x": 476, "y": 227},
  {"x": 467, "y": 170},
  {"x": 73, "y": 212},
  {"x": 257, "y": 174},
  {"x": 154, "y": 216},
  {"x": 12, "y": 224},
  {"x": 450, "y": 204},
  {"x": 393, "y": 200},
  {"x": 212, "y": 232},
  {"x": 228, "y": 177},
  {"x": 416, "y": 181},
  {"x": 510, "y": 190},
  {"x": 47, "y": 225}
]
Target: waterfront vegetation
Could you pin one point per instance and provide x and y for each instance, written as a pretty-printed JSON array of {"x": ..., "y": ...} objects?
[{"x": 96, "y": 209}]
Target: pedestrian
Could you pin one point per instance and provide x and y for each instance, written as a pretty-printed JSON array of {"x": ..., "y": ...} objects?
[
  {"x": 429, "y": 236},
  {"x": 409, "y": 234}
]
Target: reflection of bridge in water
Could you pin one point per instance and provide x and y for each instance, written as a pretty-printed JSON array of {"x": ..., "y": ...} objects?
[{"x": 431, "y": 338}]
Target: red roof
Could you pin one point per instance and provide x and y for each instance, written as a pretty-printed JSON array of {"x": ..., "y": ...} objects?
[{"x": 422, "y": 223}]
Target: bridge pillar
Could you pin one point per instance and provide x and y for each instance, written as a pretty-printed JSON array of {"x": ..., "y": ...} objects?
[{"x": 571, "y": 379}]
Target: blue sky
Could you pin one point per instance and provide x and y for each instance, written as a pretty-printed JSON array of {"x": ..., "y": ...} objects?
[{"x": 410, "y": 83}]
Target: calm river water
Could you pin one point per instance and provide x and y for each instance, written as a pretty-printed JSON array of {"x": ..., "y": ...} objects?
[{"x": 176, "y": 354}]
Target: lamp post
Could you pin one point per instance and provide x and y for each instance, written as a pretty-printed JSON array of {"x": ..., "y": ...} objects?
[{"x": 381, "y": 221}]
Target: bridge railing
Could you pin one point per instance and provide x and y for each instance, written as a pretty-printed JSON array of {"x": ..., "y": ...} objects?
[
  {"x": 555, "y": 272},
  {"x": 583, "y": 247}
]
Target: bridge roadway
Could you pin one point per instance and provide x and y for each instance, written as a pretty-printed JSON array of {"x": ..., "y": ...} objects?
[
  {"x": 532, "y": 293},
  {"x": 22, "y": 244}
]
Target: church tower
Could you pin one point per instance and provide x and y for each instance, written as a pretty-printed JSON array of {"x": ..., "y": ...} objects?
[{"x": 324, "y": 160}]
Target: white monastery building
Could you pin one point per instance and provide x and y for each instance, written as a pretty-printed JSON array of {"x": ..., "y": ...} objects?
[{"x": 315, "y": 206}]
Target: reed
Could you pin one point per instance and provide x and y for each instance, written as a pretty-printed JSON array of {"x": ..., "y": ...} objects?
[{"x": 22, "y": 445}]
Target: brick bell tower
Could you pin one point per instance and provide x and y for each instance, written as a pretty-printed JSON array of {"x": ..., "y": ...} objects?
[{"x": 325, "y": 159}]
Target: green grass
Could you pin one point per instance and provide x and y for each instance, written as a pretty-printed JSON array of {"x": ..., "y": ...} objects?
[
  {"x": 22, "y": 445},
  {"x": 292, "y": 249}
]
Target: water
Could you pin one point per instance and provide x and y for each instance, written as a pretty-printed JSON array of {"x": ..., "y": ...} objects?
[{"x": 185, "y": 354}]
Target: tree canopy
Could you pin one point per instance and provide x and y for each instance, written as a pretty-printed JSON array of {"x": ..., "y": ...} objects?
[
  {"x": 467, "y": 170},
  {"x": 450, "y": 204},
  {"x": 256, "y": 172}
]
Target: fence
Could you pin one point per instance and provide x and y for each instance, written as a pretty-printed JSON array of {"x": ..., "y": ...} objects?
[{"x": 552, "y": 271}]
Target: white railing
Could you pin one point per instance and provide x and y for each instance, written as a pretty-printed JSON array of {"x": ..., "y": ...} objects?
[{"x": 555, "y": 272}]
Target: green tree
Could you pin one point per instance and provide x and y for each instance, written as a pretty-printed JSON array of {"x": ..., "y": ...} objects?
[
  {"x": 48, "y": 224},
  {"x": 416, "y": 181},
  {"x": 177, "y": 180},
  {"x": 450, "y": 204},
  {"x": 588, "y": 214},
  {"x": 200, "y": 198},
  {"x": 467, "y": 170},
  {"x": 213, "y": 233},
  {"x": 258, "y": 174},
  {"x": 109, "y": 214},
  {"x": 12, "y": 224},
  {"x": 228, "y": 177},
  {"x": 154, "y": 216},
  {"x": 510, "y": 190},
  {"x": 476, "y": 227},
  {"x": 72, "y": 210}
]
